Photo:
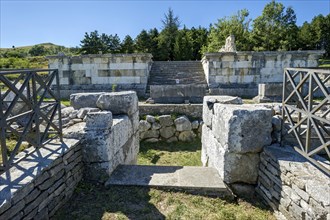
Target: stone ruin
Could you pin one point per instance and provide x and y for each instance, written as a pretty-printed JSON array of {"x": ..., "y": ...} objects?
[
  {"x": 230, "y": 45},
  {"x": 101, "y": 131},
  {"x": 242, "y": 142}
]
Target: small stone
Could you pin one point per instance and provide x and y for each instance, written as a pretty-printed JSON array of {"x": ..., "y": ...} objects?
[
  {"x": 194, "y": 125},
  {"x": 187, "y": 136},
  {"x": 156, "y": 126},
  {"x": 66, "y": 111},
  {"x": 150, "y": 118},
  {"x": 144, "y": 125},
  {"x": 149, "y": 134},
  {"x": 167, "y": 132},
  {"x": 182, "y": 124},
  {"x": 165, "y": 120},
  {"x": 98, "y": 120},
  {"x": 151, "y": 140},
  {"x": 73, "y": 114}
]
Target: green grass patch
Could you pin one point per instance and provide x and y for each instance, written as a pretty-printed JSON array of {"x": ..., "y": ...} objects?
[
  {"x": 176, "y": 154},
  {"x": 92, "y": 201}
]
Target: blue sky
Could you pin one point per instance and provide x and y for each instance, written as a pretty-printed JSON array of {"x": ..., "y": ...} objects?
[{"x": 65, "y": 22}]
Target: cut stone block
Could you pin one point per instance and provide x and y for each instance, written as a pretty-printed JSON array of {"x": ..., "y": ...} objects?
[
  {"x": 83, "y": 100},
  {"x": 119, "y": 102}
]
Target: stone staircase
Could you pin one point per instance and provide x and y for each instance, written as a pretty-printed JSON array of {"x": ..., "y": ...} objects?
[
  {"x": 177, "y": 82},
  {"x": 197, "y": 180},
  {"x": 168, "y": 72}
]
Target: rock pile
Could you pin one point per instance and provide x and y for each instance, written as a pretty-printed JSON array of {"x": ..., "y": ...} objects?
[{"x": 169, "y": 129}]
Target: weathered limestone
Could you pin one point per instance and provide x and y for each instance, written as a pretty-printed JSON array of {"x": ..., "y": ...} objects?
[
  {"x": 38, "y": 185},
  {"x": 102, "y": 72},
  {"x": 82, "y": 100},
  {"x": 163, "y": 128},
  {"x": 110, "y": 136},
  {"x": 292, "y": 185},
  {"x": 230, "y": 45},
  {"x": 232, "y": 138},
  {"x": 118, "y": 102},
  {"x": 239, "y": 73}
]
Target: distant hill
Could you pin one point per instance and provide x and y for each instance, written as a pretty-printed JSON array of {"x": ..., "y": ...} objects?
[{"x": 46, "y": 45}]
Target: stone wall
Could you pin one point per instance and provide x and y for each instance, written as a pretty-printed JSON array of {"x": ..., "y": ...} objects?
[
  {"x": 39, "y": 184},
  {"x": 102, "y": 73},
  {"x": 239, "y": 73},
  {"x": 291, "y": 184},
  {"x": 233, "y": 136},
  {"x": 109, "y": 130},
  {"x": 169, "y": 129},
  {"x": 190, "y": 110},
  {"x": 190, "y": 93}
]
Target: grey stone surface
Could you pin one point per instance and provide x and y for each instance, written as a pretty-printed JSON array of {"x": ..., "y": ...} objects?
[
  {"x": 82, "y": 112},
  {"x": 150, "y": 119},
  {"x": 151, "y": 140},
  {"x": 165, "y": 120},
  {"x": 98, "y": 120},
  {"x": 66, "y": 111},
  {"x": 242, "y": 128},
  {"x": 76, "y": 131},
  {"x": 119, "y": 102},
  {"x": 187, "y": 178},
  {"x": 208, "y": 104},
  {"x": 187, "y": 136},
  {"x": 144, "y": 125},
  {"x": 83, "y": 100},
  {"x": 155, "y": 126},
  {"x": 172, "y": 139},
  {"x": 149, "y": 134},
  {"x": 167, "y": 132},
  {"x": 182, "y": 124},
  {"x": 195, "y": 125}
]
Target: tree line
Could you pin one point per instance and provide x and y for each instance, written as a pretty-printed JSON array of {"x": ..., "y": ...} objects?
[{"x": 275, "y": 29}]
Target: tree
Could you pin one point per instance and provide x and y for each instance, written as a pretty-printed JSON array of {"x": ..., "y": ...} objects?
[
  {"x": 183, "y": 47},
  {"x": 199, "y": 38},
  {"x": 167, "y": 36},
  {"x": 142, "y": 42},
  {"x": 94, "y": 43},
  {"x": 37, "y": 50},
  {"x": 275, "y": 29},
  {"x": 127, "y": 46},
  {"x": 237, "y": 25}
]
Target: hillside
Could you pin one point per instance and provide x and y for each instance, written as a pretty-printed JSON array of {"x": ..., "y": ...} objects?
[{"x": 46, "y": 45}]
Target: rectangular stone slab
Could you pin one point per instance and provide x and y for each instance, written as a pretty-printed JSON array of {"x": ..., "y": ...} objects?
[{"x": 200, "y": 180}]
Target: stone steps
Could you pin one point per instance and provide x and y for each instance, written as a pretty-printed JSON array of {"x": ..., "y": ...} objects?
[
  {"x": 167, "y": 72},
  {"x": 197, "y": 180}
]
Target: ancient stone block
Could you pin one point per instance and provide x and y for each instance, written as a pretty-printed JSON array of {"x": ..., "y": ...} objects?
[
  {"x": 144, "y": 125},
  {"x": 165, "y": 120},
  {"x": 149, "y": 134},
  {"x": 82, "y": 100},
  {"x": 187, "y": 136},
  {"x": 98, "y": 120},
  {"x": 119, "y": 102},
  {"x": 182, "y": 124},
  {"x": 167, "y": 132},
  {"x": 242, "y": 128},
  {"x": 76, "y": 131}
]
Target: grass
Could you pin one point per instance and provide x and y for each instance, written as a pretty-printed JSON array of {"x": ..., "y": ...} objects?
[
  {"x": 10, "y": 144},
  {"x": 94, "y": 201},
  {"x": 176, "y": 154},
  {"x": 325, "y": 62}
]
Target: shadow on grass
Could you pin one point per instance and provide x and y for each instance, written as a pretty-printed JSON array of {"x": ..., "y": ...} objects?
[
  {"x": 172, "y": 147},
  {"x": 92, "y": 201}
]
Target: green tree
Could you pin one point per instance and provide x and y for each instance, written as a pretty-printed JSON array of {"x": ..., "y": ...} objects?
[
  {"x": 127, "y": 46},
  {"x": 37, "y": 50},
  {"x": 153, "y": 46},
  {"x": 142, "y": 42},
  {"x": 237, "y": 25},
  {"x": 167, "y": 36},
  {"x": 275, "y": 29},
  {"x": 92, "y": 43},
  {"x": 199, "y": 38},
  {"x": 183, "y": 47}
]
